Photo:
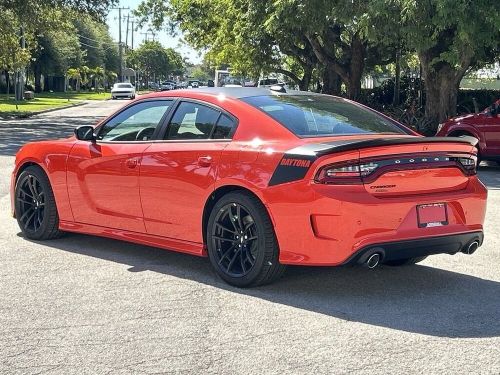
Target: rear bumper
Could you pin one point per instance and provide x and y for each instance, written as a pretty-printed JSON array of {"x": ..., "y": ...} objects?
[
  {"x": 450, "y": 244},
  {"x": 328, "y": 226}
]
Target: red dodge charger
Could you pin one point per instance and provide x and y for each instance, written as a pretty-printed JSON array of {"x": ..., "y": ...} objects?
[{"x": 256, "y": 179}]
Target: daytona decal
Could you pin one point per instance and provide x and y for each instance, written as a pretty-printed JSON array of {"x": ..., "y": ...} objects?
[{"x": 291, "y": 168}]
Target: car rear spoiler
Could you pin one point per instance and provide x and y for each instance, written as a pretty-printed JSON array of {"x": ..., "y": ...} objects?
[
  {"x": 320, "y": 149},
  {"x": 294, "y": 164}
]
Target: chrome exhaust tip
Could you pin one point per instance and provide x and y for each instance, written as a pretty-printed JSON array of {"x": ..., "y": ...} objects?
[
  {"x": 471, "y": 248},
  {"x": 373, "y": 260}
]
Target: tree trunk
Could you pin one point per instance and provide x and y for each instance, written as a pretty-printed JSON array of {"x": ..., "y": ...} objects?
[
  {"x": 356, "y": 68},
  {"x": 442, "y": 83},
  {"x": 397, "y": 81},
  {"x": 441, "y": 89},
  {"x": 37, "y": 70},
  {"x": 306, "y": 78},
  {"x": 7, "y": 80},
  {"x": 46, "y": 83},
  {"x": 331, "y": 81}
]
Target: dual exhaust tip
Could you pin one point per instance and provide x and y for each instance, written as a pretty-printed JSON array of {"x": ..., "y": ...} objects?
[
  {"x": 374, "y": 259},
  {"x": 471, "y": 247}
]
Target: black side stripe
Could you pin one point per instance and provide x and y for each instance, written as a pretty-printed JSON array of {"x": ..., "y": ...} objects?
[{"x": 292, "y": 167}]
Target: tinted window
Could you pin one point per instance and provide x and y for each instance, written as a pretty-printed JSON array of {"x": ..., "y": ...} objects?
[
  {"x": 136, "y": 123},
  {"x": 192, "y": 121},
  {"x": 224, "y": 128},
  {"x": 322, "y": 115}
]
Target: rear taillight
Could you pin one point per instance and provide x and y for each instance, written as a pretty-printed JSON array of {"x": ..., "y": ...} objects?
[
  {"x": 356, "y": 173},
  {"x": 346, "y": 173},
  {"x": 469, "y": 164}
]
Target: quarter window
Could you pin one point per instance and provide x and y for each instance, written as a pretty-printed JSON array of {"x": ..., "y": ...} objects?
[
  {"x": 192, "y": 121},
  {"x": 224, "y": 128},
  {"x": 136, "y": 123}
]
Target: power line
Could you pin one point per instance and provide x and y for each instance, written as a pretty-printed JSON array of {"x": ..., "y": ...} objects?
[{"x": 84, "y": 37}]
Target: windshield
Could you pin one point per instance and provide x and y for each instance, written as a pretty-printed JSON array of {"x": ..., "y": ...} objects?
[
  {"x": 322, "y": 115},
  {"x": 123, "y": 85}
]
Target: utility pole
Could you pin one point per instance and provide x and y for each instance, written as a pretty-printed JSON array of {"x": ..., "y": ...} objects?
[
  {"x": 152, "y": 33},
  {"x": 126, "y": 34},
  {"x": 145, "y": 35},
  {"x": 133, "y": 33},
  {"x": 120, "y": 46}
]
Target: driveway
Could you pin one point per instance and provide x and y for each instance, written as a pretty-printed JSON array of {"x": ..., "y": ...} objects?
[{"x": 82, "y": 304}]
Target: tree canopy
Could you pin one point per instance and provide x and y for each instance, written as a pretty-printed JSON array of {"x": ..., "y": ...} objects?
[{"x": 339, "y": 40}]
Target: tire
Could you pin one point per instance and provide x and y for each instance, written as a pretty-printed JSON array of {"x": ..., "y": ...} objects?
[
  {"x": 35, "y": 205},
  {"x": 241, "y": 242},
  {"x": 404, "y": 262}
]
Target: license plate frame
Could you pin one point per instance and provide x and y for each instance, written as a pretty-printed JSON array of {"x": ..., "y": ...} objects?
[{"x": 432, "y": 215}]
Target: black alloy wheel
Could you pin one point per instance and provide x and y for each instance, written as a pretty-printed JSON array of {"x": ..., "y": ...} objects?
[
  {"x": 35, "y": 206},
  {"x": 241, "y": 242},
  {"x": 234, "y": 235},
  {"x": 30, "y": 198}
]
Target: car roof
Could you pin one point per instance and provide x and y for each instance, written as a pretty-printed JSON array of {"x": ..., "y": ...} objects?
[{"x": 234, "y": 92}]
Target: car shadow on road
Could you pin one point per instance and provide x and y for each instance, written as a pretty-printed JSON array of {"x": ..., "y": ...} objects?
[
  {"x": 489, "y": 174},
  {"x": 417, "y": 299}
]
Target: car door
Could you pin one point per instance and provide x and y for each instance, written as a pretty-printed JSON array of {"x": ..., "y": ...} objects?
[
  {"x": 178, "y": 174},
  {"x": 103, "y": 176},
  {"x": 490, "y": 127}
]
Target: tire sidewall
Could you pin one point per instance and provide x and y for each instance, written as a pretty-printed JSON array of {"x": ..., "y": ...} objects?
[
  {"x": 42, "y": 178},
  {"x": 261, "y": 259}
]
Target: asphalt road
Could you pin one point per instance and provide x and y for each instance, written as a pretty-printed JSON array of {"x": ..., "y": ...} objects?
[{"x": 82, "y": 304}]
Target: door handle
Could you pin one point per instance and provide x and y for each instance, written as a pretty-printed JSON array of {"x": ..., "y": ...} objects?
[
  {"x": 131, "y": 163},
  {"x": 204, "y": 161}
]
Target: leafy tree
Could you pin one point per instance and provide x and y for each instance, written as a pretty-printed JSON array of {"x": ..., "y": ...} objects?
[
  {"x": 29, "y": 17},
  {"x": 450, "y": 37},
  {"x": 12, "y": 56},
  {"x": 152, "y": 59}
]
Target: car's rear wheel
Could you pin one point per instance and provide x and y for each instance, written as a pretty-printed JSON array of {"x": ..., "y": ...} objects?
[
  {"x": 242, "y": 245},
  {"x": 404, "y": 262},
  {"x": 35, "y": 205}
]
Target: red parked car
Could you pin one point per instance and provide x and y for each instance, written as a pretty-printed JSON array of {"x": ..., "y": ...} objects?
[
  {"x": 256, "y": 179},
  {"x": 485, "y": 126}
]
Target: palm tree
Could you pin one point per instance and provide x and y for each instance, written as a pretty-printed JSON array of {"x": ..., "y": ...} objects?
[{"x": 74, "y": 74}]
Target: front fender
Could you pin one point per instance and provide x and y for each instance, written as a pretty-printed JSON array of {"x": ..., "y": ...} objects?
[{"x": 52, "y": 157}]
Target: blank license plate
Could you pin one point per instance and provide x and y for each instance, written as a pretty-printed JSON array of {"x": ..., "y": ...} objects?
[{"x": 432, "y": 215}]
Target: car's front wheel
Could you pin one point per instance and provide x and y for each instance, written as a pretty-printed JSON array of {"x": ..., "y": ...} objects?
[
  {"x": 242, "y": 245},
  {"x": 35, "y": 205}
]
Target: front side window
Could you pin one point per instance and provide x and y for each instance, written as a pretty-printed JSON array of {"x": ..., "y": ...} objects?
[
  {"x": 136, "y": 123},
  {"x": 192, "y": 121},
  {"x": 322, "y": 115}
]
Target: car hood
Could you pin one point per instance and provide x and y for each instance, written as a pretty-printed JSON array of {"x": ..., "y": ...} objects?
[{"x": 464, "y": 118}]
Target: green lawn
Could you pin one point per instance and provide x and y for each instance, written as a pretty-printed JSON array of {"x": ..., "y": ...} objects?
[
  {"x": 45, "y": 101},
  {"x": 74, "y": 95},
  {"x": 484, "y": 83}
]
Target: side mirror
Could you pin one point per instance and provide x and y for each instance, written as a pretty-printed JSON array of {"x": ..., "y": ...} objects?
[{"x": 85, "y": 133}]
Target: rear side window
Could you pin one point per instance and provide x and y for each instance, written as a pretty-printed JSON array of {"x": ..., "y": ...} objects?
[
  {"x": 322, "y": 115},
  {"x": 192, "y": 121},
  {"x": 224, "y": 128}
]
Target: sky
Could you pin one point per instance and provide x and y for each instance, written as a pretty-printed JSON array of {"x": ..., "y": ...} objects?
[{"x": 163, "y": 37}]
